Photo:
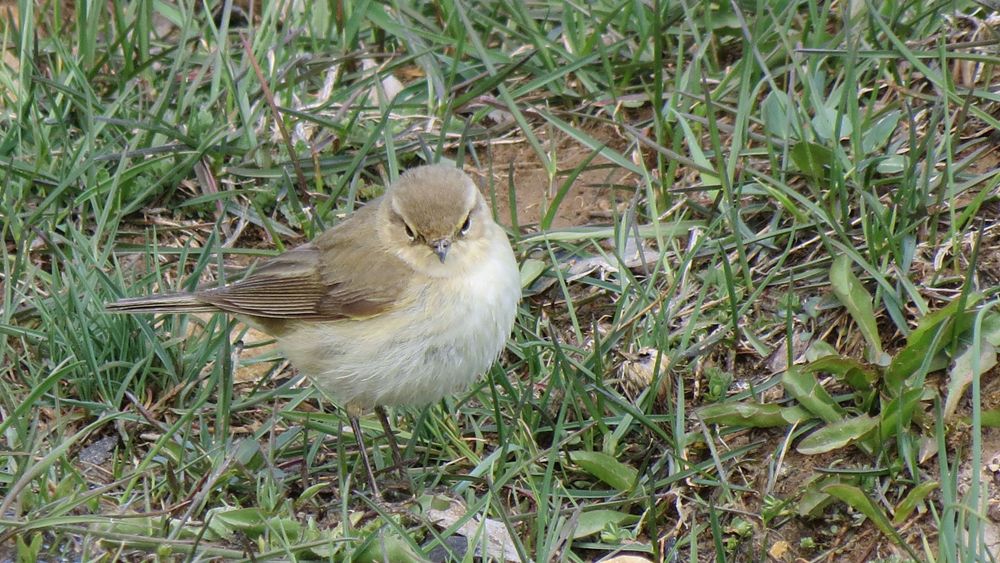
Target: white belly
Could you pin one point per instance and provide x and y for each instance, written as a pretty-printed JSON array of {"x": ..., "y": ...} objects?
[{"x": 449, "y": 336}]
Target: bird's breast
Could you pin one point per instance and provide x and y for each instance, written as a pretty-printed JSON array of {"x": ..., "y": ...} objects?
[{"x": 444, "y": 332}]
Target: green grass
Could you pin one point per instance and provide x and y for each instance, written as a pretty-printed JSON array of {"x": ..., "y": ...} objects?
[{"x": 812, "y": 186}]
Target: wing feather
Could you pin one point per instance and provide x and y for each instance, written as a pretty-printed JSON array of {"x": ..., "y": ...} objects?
[{"x": 344, "y": 273}]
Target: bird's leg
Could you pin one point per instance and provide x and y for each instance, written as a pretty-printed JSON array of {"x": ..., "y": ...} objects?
[
  {"x": 397, "y": 458},
  {"x": 353, "y": 414}
]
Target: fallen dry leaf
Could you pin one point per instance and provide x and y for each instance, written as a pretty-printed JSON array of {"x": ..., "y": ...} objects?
[{"x": 498, "y": 541}]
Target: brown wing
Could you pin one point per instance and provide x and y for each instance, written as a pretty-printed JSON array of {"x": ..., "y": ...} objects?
[{"x": 344, "y": 273}]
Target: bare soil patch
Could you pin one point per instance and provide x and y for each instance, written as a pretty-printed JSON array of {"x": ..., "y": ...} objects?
[{"x": 593, "y": 198}]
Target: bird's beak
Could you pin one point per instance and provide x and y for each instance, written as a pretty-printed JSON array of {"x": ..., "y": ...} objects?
[{"x": 441, "y": 247}]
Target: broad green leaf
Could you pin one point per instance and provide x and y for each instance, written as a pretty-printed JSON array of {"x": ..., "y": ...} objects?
[
  {"x": 848, "y": 289},
  {"x": 777, "y": 112},
  {"x": 796, "y": 414},
  {"x": 593, "y": 521},
  {"x": 898, "y": 412},
  {"x": 606, "y": 468},
  {"x": 311, "y": 492},
  {"x": 254, "y": 522},
  {"x": 825, "y": 122},
  {"x": 720, "y": 20},
  {"x": 803, "y": 385},
  {"x": 893, "y": 164},
  {"x": 989, "y": 418},
  {"x": 921, "y": 342},
  {"x": 877, "y": 134},
  {"x": 327, "y": 550},
  {"x": 991, "y": 328},
  {"x": 388, "y": 547},
  {"x": 926, "y": 327},
  {"x": 138, "y": 526},
  {"x": 912, "y": 499},
  {"x": 246, "y": 453},
  {"x": 812, "y": 159},
  {"x": 819, "y": 349},
  {"x": 963, "y": 372},
  {"x": 907, "y": 361},
  {"x": 753, "y": 415},
  {"x": 857, "y": 499},
  {"x": 530, "y": 270},
  {"x": 858, "y": 375},
  {"x": 837, "y": 435},
  {"x": 814, "y": 500}
]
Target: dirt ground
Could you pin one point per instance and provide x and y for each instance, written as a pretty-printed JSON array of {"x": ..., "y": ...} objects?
[{"x": 592, "y": 199}]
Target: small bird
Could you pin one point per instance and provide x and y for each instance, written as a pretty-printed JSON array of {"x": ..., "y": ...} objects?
[{"x": 405, "y": 301}]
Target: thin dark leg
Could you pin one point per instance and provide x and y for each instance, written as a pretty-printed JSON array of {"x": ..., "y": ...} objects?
[
  {"x": 356, "y": 426},
  {"x": 397, "y": 458}
]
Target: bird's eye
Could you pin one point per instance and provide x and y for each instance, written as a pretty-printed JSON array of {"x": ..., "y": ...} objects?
[
  {"x": 409, "y": 232},
  {"x": 466, "y": 225}
]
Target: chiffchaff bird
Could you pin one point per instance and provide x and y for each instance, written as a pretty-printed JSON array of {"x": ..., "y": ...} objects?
[{"x": 407, "y": 300}]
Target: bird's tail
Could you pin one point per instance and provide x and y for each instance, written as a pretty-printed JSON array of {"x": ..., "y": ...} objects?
[{"x": 162, "y": 303}]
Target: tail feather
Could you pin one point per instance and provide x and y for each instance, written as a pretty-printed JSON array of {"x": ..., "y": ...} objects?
[{"x": 162, "y": 303}]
